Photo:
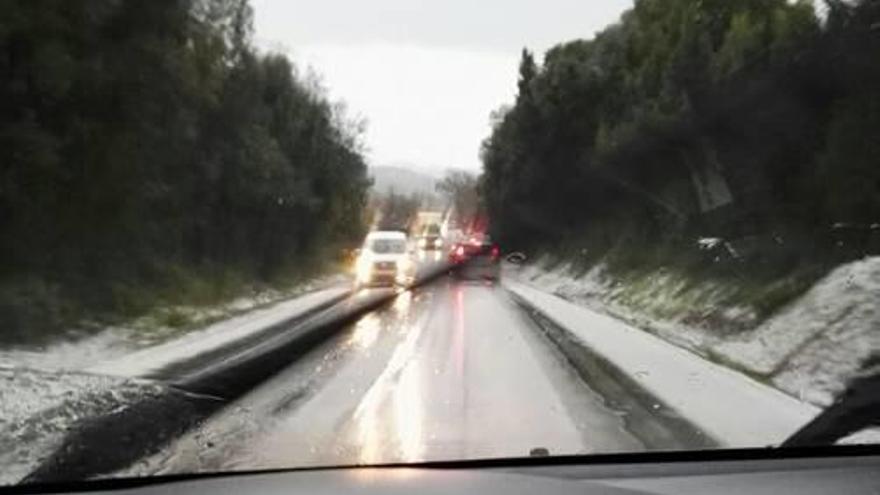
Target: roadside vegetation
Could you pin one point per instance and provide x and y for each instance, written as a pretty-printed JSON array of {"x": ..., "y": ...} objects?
[
  {"x": 152, "y": 156},
  {"x": 460, "y": 190},
  {"x": 397, "y": 211},
  {"x": 726, "y": 143}
]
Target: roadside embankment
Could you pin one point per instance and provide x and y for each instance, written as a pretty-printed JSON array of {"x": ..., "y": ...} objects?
[{"x": 808, "y": 348}]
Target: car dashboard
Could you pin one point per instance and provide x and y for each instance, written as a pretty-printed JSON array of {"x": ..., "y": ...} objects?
[{"x": 854, "y": 472}]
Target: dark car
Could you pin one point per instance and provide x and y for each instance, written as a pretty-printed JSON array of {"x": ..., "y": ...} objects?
[{"x": 476, "y": 260}]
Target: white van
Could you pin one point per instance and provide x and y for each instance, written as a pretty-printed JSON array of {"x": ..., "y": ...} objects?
[{"x": 385, "y": 260}]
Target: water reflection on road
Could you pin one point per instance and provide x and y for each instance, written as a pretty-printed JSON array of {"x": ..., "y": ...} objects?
[{"x": 452, "y": 370}]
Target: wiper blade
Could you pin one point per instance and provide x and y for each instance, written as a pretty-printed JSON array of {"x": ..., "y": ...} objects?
[{"x": 856, "y": 409}]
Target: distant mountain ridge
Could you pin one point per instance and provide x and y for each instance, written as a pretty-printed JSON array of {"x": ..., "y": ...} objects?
[{"x": 401, "y": 180}]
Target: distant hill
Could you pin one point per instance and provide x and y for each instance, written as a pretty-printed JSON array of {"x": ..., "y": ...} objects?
[{"x": 402, "y": 180}]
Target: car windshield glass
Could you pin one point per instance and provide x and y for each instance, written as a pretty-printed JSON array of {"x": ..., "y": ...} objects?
[
  {"x": 254, "y": 234},
  {"x": 388, "y": 246}
]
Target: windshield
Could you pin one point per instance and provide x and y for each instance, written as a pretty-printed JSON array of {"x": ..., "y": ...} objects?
[
  {"x": 388, "y": 246},
  {"x": 251, "y": 234}
]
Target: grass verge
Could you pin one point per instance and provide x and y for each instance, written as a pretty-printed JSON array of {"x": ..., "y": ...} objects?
[
  {"x": 36, "y": 310},
  {"x": 723, "y": 288}
]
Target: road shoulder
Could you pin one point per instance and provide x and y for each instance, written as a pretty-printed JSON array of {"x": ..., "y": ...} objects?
[{"x": 732, "y": 408}]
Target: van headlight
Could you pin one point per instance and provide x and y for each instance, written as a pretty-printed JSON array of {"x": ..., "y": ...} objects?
[
  {"x": 364, "y": 270},
  {"x": 423, "y": 243}
]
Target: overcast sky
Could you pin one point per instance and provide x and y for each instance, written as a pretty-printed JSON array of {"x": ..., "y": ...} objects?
[{"x": 425, "y": 75}]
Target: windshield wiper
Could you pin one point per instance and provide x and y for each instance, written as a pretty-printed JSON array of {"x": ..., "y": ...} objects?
[{"x": 856, "y": 409}]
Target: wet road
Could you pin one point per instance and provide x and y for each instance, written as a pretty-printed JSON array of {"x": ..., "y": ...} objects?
[{"x": 453, "y": 370}]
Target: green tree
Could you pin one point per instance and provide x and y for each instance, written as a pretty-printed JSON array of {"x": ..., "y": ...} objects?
[
  {"x": 146, "y": 140},
  {"x": 460, "y": 189},
  {"x": 610, "y": 139}
]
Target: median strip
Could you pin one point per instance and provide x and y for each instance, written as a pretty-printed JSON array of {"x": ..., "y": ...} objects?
[
  {"x": 230, "y": 374},
  {"x": 194, "y": 387},
  {"x": 213, "y": 342}
]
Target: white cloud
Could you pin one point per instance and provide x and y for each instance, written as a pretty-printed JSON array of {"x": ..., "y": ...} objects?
[
  {"x": 424, "y": 105},
  {"x": 424, "y": 74},
  {"x": 503, "y": 25}
]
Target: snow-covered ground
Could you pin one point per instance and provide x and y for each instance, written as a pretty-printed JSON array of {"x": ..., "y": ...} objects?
[
  {"x": 814, "y": 346},
  {"x": 46, "y": 392},
  {"x": 732, "y": 408},
  {"x": 809, "y": 349},
  {"x": 115, "y": 343},
  {"x": 38, "y": 408},
  {"x": 222, "y": 333}
]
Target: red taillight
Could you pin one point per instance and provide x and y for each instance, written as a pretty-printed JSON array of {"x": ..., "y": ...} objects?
[
  {"x": 459, "y": 251},
  {"x": 495, "y": 251}
]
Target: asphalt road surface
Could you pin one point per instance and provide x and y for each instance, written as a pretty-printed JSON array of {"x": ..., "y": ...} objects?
[{"x": 453, "y": 370}]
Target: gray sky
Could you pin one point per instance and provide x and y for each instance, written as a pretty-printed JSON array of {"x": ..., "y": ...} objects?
[{"x": 425, "y": 75}]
